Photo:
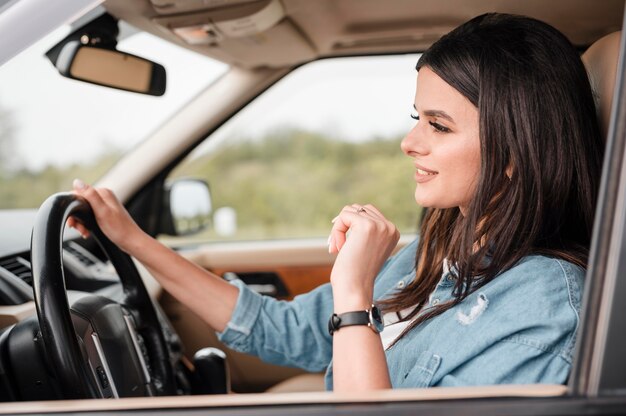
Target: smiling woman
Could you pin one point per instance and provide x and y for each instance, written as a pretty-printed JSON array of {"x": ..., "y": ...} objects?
[
  {"x": 444, "y": 145},
  {"x": 487, "y": 296},
  {"x": 518, "y": 168}
]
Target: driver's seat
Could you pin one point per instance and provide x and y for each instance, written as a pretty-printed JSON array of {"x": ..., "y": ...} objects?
[{"x": 601, "y": 60}]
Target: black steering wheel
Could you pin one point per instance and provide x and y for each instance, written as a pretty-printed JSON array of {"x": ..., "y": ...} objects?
[{"x": 98, "y": 347}]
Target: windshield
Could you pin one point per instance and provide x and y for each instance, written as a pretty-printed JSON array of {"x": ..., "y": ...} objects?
[{"x": 53, "y": 129}]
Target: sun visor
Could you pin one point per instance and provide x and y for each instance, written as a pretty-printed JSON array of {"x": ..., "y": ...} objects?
[{"x": 248, "y": 34}]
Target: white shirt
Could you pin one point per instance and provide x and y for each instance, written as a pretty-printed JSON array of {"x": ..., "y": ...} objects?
[{"x": 394, "y": 327}]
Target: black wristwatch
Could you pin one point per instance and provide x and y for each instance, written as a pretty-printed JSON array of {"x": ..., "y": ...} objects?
[{"x": 370, "y": 317}]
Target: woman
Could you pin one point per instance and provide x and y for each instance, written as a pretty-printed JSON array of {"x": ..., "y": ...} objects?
[{"x": 507, "y": 155}]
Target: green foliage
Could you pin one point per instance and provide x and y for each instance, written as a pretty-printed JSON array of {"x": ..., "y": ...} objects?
[
  {"x": 292, "y": 183},
  {"x": 28, "y": 189},
  {"x": 288, "y": 184}
]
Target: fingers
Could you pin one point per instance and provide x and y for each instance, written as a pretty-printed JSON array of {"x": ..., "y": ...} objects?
[
  {"x": 72, "y": 222},
  {"x": 368, "y": 210},
  {"x": 103, "y": 203},
  {"x": 89, "y": 193},
  {"x": 374, "y": 211},
  {"x": 337, "y": 236},
  {"x": 363, "y": 239},
  {"x": 108, "y": 196},
  {"x": 368, "y": 216},
  {"x": 84, "y": 232},
  {"x": 341, "y": 226},
  {"x": 102, "y": 200},
  {"x": 112, "y": 218},
  {"x": 78, "y": 226}
]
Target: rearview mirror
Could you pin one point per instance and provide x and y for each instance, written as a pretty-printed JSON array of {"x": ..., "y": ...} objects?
[{"x": 111, "y": 68}]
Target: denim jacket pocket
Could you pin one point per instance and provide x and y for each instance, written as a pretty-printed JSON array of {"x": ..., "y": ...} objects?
[{"x": 422, "y": 372}]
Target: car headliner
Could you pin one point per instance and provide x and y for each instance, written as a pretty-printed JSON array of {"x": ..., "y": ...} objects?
[{"x": 312, "y": 29}]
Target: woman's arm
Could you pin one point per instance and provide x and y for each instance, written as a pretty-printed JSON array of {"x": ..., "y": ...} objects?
[
  {"x": 358, "y": 356},
  {"x": 186, "y": 281},
  {"x": 359, "y": 361}
]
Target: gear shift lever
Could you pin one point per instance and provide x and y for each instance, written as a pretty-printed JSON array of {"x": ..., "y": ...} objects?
[{"x": 211, "y": 372}]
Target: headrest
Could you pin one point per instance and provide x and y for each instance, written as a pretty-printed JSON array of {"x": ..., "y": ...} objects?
[{"x": 601, "y": 61}]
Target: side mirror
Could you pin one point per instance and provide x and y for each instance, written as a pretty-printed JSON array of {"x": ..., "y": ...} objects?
[
  {"x": 187, "y": 207},
  {"x": 111, "y": 68}
]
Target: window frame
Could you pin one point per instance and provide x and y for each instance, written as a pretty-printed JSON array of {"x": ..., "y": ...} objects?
[{"x": 602, "y": 336}]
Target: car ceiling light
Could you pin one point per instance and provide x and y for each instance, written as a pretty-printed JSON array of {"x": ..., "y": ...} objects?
[
  {"x": 214, "y": 29},
  {"x": 202, "y": 34}
]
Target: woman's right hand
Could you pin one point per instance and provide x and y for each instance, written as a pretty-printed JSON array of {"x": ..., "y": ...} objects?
[{"x": 113, "y": 219}]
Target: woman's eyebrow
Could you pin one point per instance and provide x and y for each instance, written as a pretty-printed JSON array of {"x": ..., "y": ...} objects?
[{"x": 436, "y": 113}]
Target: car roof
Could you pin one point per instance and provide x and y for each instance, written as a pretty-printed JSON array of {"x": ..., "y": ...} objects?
[{"x": 305, "y": 30}]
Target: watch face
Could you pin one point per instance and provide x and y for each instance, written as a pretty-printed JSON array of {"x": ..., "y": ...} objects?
[{"x": 376, "y": 319}]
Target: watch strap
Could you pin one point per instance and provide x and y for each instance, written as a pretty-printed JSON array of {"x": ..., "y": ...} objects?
[{"x": 347, "y": 319}]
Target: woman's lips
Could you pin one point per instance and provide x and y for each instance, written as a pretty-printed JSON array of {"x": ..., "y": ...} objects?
[{"x": 424, "y": 175}]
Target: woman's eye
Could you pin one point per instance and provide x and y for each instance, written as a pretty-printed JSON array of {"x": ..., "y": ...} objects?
[
  {"x": 439, "y": 127},
  {"x": 415, "y": 117}
]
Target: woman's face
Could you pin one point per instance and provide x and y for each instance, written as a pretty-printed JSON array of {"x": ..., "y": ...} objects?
[{"x": 444, "y": 144}]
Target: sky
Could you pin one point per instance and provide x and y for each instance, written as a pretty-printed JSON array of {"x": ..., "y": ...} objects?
[
  {"x": 60, "y": 121},
  {"x": 357, "y": 98}
]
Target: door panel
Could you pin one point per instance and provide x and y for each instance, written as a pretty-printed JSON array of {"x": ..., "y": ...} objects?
[
  {"x": 293, "y": 280},
  {"x": 301, "y": 265}
]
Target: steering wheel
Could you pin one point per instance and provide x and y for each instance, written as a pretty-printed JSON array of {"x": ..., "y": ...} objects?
[{"x": 97, "y": 347}]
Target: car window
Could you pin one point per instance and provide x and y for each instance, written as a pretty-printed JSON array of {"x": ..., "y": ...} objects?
[
  {"x": 325, "y": 136},
  {"x": 54, "y": 129}
]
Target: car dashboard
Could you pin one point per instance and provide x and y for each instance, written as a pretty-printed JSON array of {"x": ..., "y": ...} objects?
[
  {"x": 25, "y": 373},
  {"x": 84, "y": 268}
]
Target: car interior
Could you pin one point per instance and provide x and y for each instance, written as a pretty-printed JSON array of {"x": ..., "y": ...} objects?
[{"x": 166, "y": 350}]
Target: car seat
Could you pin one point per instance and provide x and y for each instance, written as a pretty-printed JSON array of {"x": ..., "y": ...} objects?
[{"x": 601, "y": 61}]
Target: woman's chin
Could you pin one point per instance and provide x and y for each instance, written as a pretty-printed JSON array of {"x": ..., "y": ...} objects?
[
  {"x": 428, "y": 201},
  {"x": 424, "y": 203},
  {"x": 425, "y": 200}
]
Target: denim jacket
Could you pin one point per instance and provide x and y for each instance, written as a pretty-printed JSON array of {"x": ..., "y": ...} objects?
[{"x": 519, "y": 328}]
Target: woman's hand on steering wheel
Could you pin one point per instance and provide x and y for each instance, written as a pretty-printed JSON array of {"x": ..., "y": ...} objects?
[{"x": 113, "y": 219}]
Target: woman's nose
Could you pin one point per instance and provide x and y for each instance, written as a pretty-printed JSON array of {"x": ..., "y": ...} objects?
[{"x": 413, "y": 143}]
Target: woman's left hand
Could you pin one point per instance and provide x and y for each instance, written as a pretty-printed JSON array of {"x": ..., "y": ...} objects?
[{"x": 371, "y": 240}]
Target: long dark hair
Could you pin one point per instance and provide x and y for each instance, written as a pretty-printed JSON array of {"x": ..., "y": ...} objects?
[{"x": 541, "y": 156}]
